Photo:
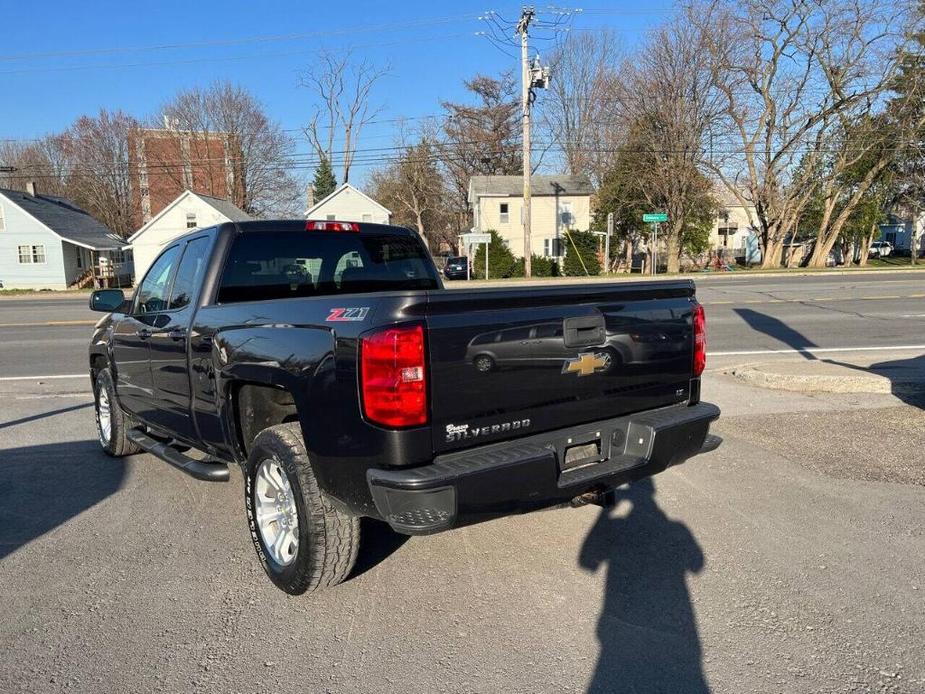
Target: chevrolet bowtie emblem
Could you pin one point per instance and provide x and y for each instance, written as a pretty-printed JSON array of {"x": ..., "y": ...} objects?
[{"x": 587, "y": 364}]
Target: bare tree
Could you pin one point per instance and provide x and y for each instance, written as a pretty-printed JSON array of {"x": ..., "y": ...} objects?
[
  {"x": 342, "y": 107},
  {"x": 578, "y": 108},
  {"x": 41, "y": 161},
  {"x": 664, "y": 95},
  {"x": 789, "y": 73},
  {"x": 481, "y": 139},
  {"x": 232, "y": 149},
  {"x": 414, "y": 189},
  {"x": 97, "y": 152}
]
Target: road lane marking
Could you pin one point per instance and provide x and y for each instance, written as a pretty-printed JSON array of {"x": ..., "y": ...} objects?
[
  {"x": 815, "y": 350},
  {"x": 43, "y": 378},
  {"x": 707, "y": 302},
  {"x": 49, "y": 323}
]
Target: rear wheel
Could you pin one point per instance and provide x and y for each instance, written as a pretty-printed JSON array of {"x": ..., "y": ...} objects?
[
  {"x": 303, "y": 542},
  {"x": 112, "y": 424},
  {"x": 484, "y": 363}
]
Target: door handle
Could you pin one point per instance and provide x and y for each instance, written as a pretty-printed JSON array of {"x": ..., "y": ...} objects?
[
  {"x": 143, "y": 334},
  {"x": 177, "y": 334}
]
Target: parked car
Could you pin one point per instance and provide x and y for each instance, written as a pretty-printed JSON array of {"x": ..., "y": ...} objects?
[
  {"x": 327, "y": 361},
  {"x": 880, "y": 249},
  {"x": 456, "y": 268}
]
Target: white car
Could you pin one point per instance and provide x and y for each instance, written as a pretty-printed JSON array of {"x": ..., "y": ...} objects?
[{"x": 881, "y": 249}]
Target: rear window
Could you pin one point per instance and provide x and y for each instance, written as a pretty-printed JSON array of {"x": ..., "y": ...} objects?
[{"x": 280, "y": 265}]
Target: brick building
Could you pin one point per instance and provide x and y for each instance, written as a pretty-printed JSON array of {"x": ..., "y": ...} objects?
[{"x": 165, "y": 162}]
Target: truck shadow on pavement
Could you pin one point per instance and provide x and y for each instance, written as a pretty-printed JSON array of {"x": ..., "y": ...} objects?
[
  {"x": 44, "y": 486},
  {"x": 647, "y": 627},
  {"x": 907, "y": 376}
]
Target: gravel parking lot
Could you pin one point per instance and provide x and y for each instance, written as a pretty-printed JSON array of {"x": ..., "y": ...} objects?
[{"x": 744, "y": 570}]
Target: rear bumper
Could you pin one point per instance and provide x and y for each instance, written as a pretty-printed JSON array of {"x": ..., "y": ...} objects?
[{"x": 525, "y": 475}]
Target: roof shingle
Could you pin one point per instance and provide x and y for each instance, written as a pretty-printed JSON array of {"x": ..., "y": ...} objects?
[
  {"x": 67, "y": 220},
  {"x": 539, "y": 185}
]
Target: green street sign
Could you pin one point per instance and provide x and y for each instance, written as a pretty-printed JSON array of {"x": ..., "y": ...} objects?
[{"x": 654, "y": 217}]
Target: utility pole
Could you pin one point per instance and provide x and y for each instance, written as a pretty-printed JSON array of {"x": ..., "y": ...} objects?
[
  {"x": 526, "y": 79},
  {"x": 607, "y": 242}
]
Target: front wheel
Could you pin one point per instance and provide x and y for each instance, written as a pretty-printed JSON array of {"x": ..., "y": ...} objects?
[
  {"x": 112, "y": 424},
  {"x": 303, "y": 542}
]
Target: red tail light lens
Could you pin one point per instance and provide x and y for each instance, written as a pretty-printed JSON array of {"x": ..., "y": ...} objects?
[
  {"x": 331, "y": 226},
  {"x": 700, "y": 340},
  {"x": 393, "y": 377}
]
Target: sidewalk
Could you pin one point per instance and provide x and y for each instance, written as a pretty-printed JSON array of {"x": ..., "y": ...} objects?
[{"x": 840, "y": 373}]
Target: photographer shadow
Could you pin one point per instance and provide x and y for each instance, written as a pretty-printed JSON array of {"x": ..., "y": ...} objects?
[{"x": 647, "y": 627}]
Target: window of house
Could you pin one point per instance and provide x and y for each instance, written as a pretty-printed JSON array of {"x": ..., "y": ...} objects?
[
  {"x": 29, "y": 255},
  {"x": 80, "y": 258},
  {"x": 726, "y": 230},
  {"x": 504, "y": 217},
  {"x": 552, "y": 248},
  {"x": 367, "y": 218},
  {"x": 330, "y": 217},
  {"x": 190, "y": 220}
]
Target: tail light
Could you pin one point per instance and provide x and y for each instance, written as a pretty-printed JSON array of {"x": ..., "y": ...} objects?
[
  {"x": 700, "y": 340},
  {"x": 393, "y": 377},
  {"x": 331, "y": 226}
]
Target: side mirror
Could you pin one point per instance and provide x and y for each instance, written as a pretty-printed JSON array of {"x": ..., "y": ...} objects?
[{"x": 106, "y": 300}]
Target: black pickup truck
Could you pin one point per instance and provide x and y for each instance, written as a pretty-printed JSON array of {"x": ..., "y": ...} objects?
[{"x": 326, "y": 359}]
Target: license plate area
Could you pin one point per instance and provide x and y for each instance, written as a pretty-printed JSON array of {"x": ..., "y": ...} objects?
[{"x": 580, "y": 454}]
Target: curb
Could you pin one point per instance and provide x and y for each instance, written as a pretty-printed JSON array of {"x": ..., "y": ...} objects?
[{"x": 824, "y": 383}]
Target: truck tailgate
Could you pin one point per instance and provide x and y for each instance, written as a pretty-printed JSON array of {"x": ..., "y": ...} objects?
[{"x": 513, "y": 362}]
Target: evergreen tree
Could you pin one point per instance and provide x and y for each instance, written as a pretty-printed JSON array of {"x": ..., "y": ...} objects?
[{"x": 324, "y": 183}]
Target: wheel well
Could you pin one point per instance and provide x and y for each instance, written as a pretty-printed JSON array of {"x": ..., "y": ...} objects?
[
  {"x": 97, "y": 363},
  {"x": 258, "y": 407}
]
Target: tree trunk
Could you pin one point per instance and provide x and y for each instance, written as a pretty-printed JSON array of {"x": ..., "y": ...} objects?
[
  {"x": 673, "y": 248},
  {"x": 772, "y": 253},
  {"x": 864, "y": 251},
  {"x": 629, "y": 256}
]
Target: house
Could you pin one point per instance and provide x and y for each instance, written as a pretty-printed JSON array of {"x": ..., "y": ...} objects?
[
  {"x": 348, "y": 204},
  {"x": 733, "y": 229},
  {"x": 163, "y": 162},
  {"x": 733, "y": 222},
  {"x": 899, "y": 231},
  {"x": 558, "y": 204},
  {"x": 188, "y": 211},
  {"x": 48, "y": 242}
]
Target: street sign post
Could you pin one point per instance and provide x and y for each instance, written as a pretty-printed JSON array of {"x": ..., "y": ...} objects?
[
  {"x": 607, "y": 242},
  {"x": 654, "y": 218}
]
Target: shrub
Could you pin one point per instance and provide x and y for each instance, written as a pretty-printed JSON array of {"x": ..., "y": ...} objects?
[
  {"x": 586, "y": 244},
  {"x": 501, "y": 262}
]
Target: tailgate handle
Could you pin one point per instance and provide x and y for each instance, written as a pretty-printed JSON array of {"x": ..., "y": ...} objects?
[{"x": 584, "y": 331}]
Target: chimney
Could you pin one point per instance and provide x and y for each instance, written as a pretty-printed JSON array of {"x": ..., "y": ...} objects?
[
  {"x": 30, "y": 188},
  {"x": 310, "y": 195}
]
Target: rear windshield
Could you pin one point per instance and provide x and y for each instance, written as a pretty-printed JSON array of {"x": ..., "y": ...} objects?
[{"x": 280, "y": 265}]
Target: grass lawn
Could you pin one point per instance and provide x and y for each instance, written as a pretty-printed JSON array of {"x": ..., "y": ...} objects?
[{"x": 896, "y": 261}]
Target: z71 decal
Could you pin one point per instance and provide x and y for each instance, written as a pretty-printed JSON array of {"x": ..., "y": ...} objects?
[{"x": 355, "y": 313}]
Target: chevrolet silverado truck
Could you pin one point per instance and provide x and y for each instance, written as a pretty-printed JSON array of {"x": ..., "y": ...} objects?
[{"x": 328, "y": 362}]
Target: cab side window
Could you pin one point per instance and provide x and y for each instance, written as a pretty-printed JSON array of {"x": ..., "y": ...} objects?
[
  {"x": 152, "y": 294},
  {"x": 189, "y": 273}
]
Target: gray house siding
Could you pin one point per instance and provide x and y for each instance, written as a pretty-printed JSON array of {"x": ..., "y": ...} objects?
[{"x": 29, "y": 232}]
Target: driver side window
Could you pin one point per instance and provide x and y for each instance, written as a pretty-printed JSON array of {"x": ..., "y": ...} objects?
[{"x": 152, "y": 294}]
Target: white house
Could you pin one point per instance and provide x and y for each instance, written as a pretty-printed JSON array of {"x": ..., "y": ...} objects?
[
  {"x": 900, "y": 231},
  {"x": 47, "y": 242},
  {"x": 557, "y": 204},
  {"x": 189, "y": 211},
  {"x": 348, "y": 204}
]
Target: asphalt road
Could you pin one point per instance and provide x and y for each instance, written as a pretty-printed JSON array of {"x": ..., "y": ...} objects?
[
  {"x": 792, "y": 559},
  {"x": 47, "y": 336}
]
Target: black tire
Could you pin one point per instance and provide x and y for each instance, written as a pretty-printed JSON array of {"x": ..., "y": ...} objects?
[
  {"x": 115, "y": 443},
  {"x": 328, "y": 539}
]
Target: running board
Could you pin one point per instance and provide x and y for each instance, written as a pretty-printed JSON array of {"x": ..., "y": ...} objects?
[{"x": 200, "y": 469}]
